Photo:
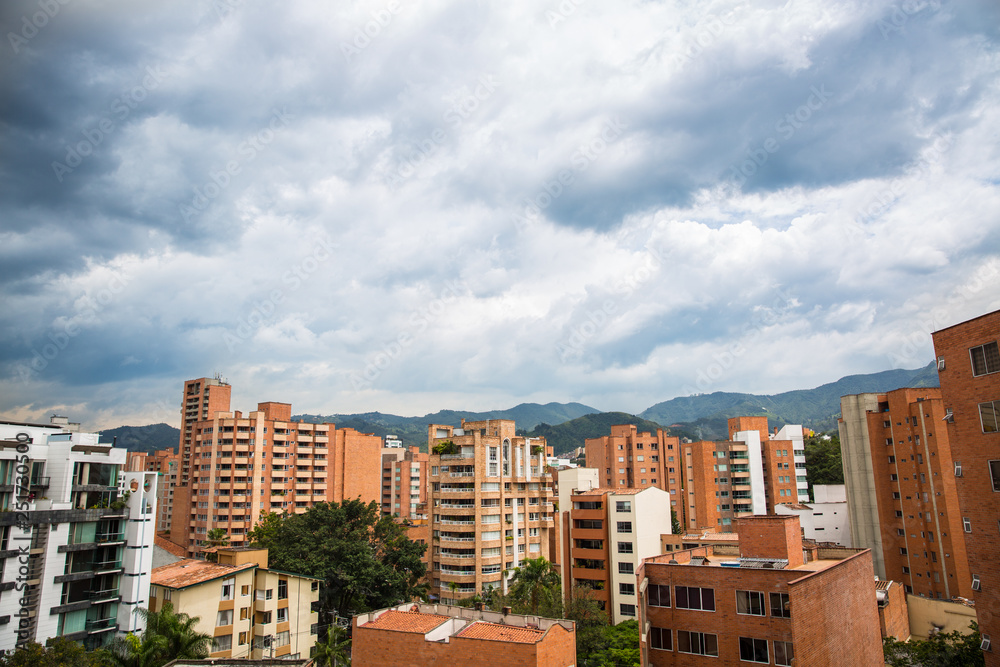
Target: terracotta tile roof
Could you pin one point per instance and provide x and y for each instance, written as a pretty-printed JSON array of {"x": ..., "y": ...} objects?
[
  {"x": 190, "y": 571},
  {"x": 406, "y": 621},
  {"x": 170, "y": 547},
  {"x": 501, "y": 633}
]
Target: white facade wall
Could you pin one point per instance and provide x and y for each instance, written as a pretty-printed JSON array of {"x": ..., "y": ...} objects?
[
  {"x": 649, "y": 516},
  {"x": 824, "y": 521},
  {"x": 758, "y": 494},
  {"x": 793, "y": 432}
]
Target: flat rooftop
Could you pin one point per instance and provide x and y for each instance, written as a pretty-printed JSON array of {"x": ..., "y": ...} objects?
[{"x": 438, "y": 622}]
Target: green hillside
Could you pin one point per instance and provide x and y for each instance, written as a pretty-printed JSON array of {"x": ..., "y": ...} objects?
[
  {"x": 818, "y": 408},
  {"x": 143, "y": 438},
  {"x": 572, "y": 434}
]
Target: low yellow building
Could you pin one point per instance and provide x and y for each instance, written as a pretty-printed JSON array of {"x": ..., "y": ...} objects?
[{"x": 251, "y": 611}]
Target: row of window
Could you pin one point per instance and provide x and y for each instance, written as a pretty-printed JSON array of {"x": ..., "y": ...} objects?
[
  {"x": 749, "y": 603},
  {"x": 702, "y": 643}
]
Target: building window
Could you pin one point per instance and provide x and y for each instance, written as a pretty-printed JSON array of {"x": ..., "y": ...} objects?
[
  {"x": 625, "y": 567},
  {"x": 225, "y": 617},
  {"x": 315, "y": 586},
  {"x": 750, "y": 603},
  {"x": 282, "y": 589},
  {"x": 989, "y": 415},
  {"x": 783, "y": 653},
  {"x": 623, "y": 505},
  {"x": 624, "y": 547},
  {"x": 624, "y": 526},
  {"x": 661, "y": 639},
  {"x": 244, "y": 590},
  {"x": 967, "y": 524},
  {"x": 697, "y": 643},
  {"x": 626, "y": 589},
  {"x": 754, "y": 650},
  {"x": 985, "y": 359},
  {"x": 691, "y": 597},
  {"x": 228, "y": 588},
  {"x": 658, "y": 595},
  {"x": 223, "y": 643},
  {"x": 780, "y": 605},
  {"x": 627, "y": 609},
  {"x": 282, "y": 639},
  {"x": 244, "y": 638},
  {"x": 282, "y": 614}
]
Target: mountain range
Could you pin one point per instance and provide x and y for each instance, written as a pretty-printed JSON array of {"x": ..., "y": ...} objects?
[{"x": 567, "y": 425}]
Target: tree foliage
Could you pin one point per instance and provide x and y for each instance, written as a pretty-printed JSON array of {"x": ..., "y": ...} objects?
[
  {"x": 335, "y": 649},
  {"x": 57, "y": 652},
  {"x": 823, "y": 460},
  {"x": 952, "y": 649},
  {"x": 532, "y": 580},
  {"x": 168, "y": 636},
  {"x": 620, "y": 647},
  {"x": 365, "y": 560}
]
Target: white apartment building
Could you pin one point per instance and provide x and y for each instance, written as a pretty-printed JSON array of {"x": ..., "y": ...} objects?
[
  {"x": 81, "y": 528},
  {"x": 826, "y": 518}
]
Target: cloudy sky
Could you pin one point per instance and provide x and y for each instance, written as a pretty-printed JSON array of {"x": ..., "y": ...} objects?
[{"x": 406, "y": 206}]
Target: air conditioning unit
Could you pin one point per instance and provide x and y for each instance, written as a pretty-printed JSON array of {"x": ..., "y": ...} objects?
[
  {"x": 940, "y": 363},
  {"x": 975, "y": 583},
  {"x": 984, "y": 645},
  {"x": 958, "y": 468}
]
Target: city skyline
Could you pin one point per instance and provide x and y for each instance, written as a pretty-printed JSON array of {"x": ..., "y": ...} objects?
[{"x": 408, "y": 207}]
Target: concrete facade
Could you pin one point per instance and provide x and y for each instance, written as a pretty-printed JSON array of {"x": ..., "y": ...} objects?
[
  {"x": 826, "y": 518},
  {"x": 76, "y": 536},
  {"x": 404, "y": 482}
]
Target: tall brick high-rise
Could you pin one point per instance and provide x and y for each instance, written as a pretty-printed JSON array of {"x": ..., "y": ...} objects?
[
  {"x": 202, "y": 398},
  {"x": 491, "y": 503},
  {"x": 242, "y": 467},
  {"x": 968, "y": 361},
  {"x": 901, "y": 489}
]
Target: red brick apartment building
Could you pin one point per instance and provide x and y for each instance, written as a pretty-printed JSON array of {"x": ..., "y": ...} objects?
[
  {"x": 768, "y": 602},
  {"x": 968, "y": 361},
  {"x": 415, "y": 635},
  {"x": 404, "y": 482},
  {"x": 241, "y": 467},
  {"x": 632, "y": 460},
  {"x": 902, "y": 491},
  {"x": 491, "y": 504}
]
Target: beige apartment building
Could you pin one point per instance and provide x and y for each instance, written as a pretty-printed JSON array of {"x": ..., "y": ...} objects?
[
  {"x": 251, "y": 611},
  {"x": 490, "y": 498},
  {"x": 404, "y": 482}
]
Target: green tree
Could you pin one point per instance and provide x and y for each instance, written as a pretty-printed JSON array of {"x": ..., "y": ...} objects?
[
  {"x": 823, "y": 460},
  {"x": 365, "y": 559},
  {"x": 591, "y": 621},
  {"x": 675, "y": 525},
  {"x": 335, "y": 649},
  {"x": 132, "y": 650},
  {"x": 533, "y": 581},
  {"x": 217, "y": 537},
  {"x": 621, "y": 646},
  {"x": 952, "y": 649},
  {"x": 168, "y": 636},
  {"x": 57, "y": 652}
]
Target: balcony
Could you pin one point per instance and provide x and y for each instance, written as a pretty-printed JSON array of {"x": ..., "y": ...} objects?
[
  {"x": 40, "y": 483},
  {"x": 106, "y": 565},
  {"x": 452, "y": 522},
  {"x": 118, "y": 536},
  {"x": 100, "y": 625},
  {"x": 106, "y": 595},
  {"x": 456, "y": 457}
]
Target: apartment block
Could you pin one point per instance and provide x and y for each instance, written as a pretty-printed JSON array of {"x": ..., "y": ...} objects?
[
  {"x": 902, "y": 490},
  {"x": 76, "y": 536},
  {"x": 826, "y": 517},
  {"x": 490, "y": 498},
  {"x": 413, "y": 635},
  {"x": 251, "y": 611},
  {"x": 404, "y": 482},
  {"x": 749, "y": 474},
  {"x": 968, "y": 361},
  {"x": 771, "y": 600},
  {"x": 607, "y": 533},
  {"x": 202, "y": 398},
  {"x": 631, "y": 460},
  {"x": 242, "y": 467}
]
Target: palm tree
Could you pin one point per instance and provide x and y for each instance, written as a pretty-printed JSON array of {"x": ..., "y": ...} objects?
[
  {"x": 217, "y": 537},
  {"x": 335, "y": 651},
  {"x": 531, "y": 578},
  {"x": 131, "y": 650}
]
